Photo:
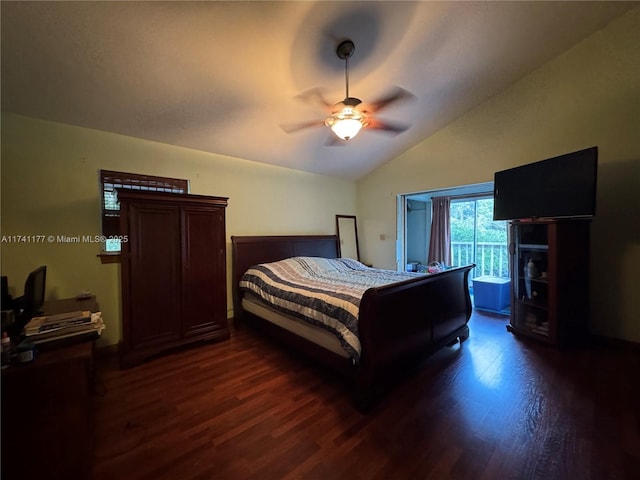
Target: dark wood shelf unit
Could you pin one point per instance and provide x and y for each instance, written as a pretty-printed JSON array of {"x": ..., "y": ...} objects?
[
  {"x": 173, "y": 268},
  {"x": 46, "y": 415},
  {"x": 549, "y": 301}
]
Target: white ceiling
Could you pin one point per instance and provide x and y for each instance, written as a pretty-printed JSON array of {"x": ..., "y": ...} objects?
[{"x": 222, "y": 77}]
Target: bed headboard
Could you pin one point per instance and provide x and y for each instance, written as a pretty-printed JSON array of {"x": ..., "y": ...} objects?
[{"x": 249, "y": 251}]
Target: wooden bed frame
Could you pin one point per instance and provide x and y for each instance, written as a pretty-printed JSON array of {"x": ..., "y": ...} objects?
[{"x": 397, "y": 323}]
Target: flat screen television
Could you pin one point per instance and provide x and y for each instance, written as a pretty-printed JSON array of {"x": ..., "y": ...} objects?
[{"x": 560, "y": 187}]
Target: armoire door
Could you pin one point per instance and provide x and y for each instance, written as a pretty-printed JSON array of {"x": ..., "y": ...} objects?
[
  {"x": 204, "y": 302},
  {"x": 154, "y": 301}
]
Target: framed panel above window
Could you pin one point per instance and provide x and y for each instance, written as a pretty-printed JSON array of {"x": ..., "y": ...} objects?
[{"x": 110, "y": 181}]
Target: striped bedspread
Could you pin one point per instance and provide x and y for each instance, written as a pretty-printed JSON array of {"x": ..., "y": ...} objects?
[{"x": 321, "y": 291}]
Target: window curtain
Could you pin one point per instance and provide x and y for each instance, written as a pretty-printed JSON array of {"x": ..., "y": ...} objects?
[{"x": 440, "y": 241}]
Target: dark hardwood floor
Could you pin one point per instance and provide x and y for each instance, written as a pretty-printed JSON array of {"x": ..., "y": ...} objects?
[{"x": 492, "y": 408}]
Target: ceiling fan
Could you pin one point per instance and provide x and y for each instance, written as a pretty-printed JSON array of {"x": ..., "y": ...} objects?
[{"x": 349, "y": 116}]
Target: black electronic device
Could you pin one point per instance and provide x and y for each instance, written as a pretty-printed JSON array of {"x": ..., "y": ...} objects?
[
  {"x": 30, "y": 304},
  {"x": 559, "y": 187}
]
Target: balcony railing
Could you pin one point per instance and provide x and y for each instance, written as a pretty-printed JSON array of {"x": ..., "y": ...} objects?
[{"x": 492, "y": 258}]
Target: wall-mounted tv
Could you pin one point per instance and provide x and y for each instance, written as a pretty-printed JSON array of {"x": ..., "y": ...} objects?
[{"x": 559, "y": 187}]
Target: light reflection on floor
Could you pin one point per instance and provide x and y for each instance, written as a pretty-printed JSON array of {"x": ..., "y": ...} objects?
[{"x": 493, "y": 381}]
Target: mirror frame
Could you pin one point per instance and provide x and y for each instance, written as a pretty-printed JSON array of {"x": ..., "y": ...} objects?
[{"x": 347, "y": 234}]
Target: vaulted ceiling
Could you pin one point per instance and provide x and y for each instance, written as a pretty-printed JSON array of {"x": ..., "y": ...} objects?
[{"x": 225, "y": 77}]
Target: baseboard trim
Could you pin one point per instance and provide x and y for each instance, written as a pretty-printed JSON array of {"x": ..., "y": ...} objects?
[{"x": 108, "y": 351}]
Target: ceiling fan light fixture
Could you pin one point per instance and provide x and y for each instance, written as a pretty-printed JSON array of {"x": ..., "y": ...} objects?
[
  {"x": 348, "y": 117},
  {"x": 346, "y": 128},
  {"x": 346, "y": 121}
]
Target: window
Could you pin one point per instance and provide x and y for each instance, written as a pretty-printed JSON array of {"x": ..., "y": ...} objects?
[{"x": 111, "y": 181}]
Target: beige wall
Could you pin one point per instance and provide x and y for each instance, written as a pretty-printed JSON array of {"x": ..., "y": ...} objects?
[
  {"x": 588, "y": 96},
  {"x": 50, "y": 187}
]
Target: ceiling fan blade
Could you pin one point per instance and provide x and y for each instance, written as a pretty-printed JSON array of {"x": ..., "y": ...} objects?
[
  {"x": 294, "y": 127},
  {"x": 396, "y": 95},
  {"x": 315, "y": 96},
  {"x": 387, "y": 127}
]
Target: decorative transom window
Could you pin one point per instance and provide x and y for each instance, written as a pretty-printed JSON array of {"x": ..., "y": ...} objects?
[{"x": 111, "y": 181}]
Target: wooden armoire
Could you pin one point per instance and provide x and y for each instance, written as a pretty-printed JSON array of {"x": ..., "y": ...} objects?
[{"x": 173, "y": 270}]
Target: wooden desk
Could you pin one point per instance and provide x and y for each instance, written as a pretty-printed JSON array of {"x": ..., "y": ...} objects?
[
  {"x": 46, "y": 415},
  {"x": 46, "y": 407}
]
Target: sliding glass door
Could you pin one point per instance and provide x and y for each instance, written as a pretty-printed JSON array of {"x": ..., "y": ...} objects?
[
  {"x": 474, "y": 236},
  {"x": 477, "y": 238}
]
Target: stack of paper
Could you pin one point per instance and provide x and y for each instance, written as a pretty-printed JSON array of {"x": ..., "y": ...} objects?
[{"x": 52, "y": 327}]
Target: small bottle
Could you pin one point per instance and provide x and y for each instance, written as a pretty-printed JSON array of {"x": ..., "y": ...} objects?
[
  {"x": 532, "y": 270},
  {"x": 6, "y": 350}
]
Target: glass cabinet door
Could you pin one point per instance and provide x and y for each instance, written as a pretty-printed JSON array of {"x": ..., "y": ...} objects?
[{"x": 530, "y": 265}]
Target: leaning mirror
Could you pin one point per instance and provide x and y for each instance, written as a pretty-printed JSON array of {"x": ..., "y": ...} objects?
[{"x": 347, "y": 232}]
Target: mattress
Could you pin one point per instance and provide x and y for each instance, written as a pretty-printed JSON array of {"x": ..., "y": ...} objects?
[{"x": 313, "y": 333}]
